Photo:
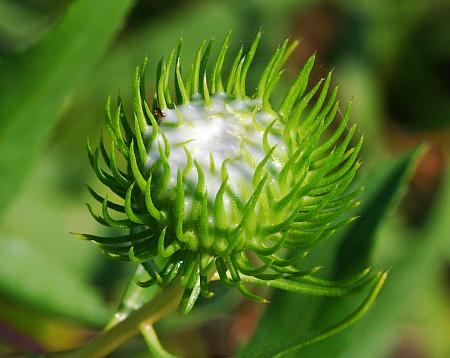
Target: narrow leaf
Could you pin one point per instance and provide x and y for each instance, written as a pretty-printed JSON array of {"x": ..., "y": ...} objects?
[{"x": 36, "y": 84}]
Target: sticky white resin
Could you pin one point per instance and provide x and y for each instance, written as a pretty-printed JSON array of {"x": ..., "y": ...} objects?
[{"x": 222, "y": 129}]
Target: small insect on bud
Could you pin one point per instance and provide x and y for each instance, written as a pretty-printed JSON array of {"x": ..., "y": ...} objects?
[{"x": 158, "y": 113}]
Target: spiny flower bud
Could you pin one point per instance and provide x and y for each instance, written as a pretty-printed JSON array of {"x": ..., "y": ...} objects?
[{"x": 219, "y": 184}]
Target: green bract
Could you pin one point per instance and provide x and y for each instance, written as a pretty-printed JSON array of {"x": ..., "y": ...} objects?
[{"x": 221, "y": 184}]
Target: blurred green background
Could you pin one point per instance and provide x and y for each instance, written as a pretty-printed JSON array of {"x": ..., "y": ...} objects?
[{"x": 56, "y": 70}]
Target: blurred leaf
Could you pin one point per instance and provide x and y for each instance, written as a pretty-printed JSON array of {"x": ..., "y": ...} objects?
[
  {"x": 30, "y": 276},
  {"x": 35, "y": 84},
  {"x": 39, "y": 329},
  {"x": 373, "y": 336},
  {"x": 294, "y": 344},
  {"x": 45, "y": 217},
  {"x": 430, "y": 306},
  {"x": 383, "y": 190},
  {"x": 359, "y": 82},
  {"x": 19, "y": 25}
]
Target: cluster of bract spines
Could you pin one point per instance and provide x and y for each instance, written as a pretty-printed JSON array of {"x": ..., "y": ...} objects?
[{"x": 220, "y": 181}]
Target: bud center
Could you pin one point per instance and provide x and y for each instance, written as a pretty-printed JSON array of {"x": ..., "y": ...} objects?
[{"x": 226, "y": 129}]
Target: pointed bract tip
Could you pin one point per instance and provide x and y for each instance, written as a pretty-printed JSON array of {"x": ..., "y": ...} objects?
[{"x": 79, "y": 236}]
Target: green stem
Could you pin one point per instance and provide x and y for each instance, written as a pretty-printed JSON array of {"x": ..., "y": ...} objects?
[
  {"x": 134, "y": 297},
  {"x": 151, "y": 338},
  {"x": 165, "y": 302}
]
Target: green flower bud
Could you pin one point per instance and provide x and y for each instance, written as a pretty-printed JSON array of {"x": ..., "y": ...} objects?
[{"x": 221, "y": 184}]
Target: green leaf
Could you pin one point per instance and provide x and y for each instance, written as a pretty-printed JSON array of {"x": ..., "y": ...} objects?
[
  {"x": 36, "y": 84},
  {"x": 408, "y": 277},
  {"x": 20, "y": 25},
  {"x": 28, "y": 275},
  {"x": 383, "y": 191},
  {"x": 293, "y": 345}
]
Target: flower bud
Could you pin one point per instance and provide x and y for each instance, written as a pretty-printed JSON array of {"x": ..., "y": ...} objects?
[{"x": 218, "y": 183}]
